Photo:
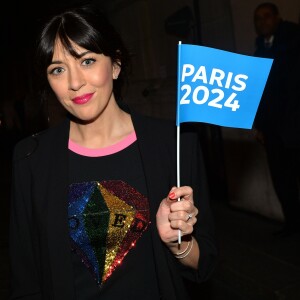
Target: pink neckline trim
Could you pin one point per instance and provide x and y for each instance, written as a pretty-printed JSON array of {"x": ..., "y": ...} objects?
[{"x": 127, "y": 141}]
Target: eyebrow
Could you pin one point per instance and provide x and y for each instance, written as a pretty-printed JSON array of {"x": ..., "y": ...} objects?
[
  {"x": 84, "y": 53},
  {"x": 79, "y": 54}
]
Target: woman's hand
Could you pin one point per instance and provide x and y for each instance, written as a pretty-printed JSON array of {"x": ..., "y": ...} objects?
[{"x": 173, "y": 215}]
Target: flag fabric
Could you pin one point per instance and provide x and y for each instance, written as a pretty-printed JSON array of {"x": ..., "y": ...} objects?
[{"x": 219, "y": 87}]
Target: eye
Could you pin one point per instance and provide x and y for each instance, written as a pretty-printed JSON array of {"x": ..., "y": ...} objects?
[
  {"x": 88, "y": 61},
  {"x": 56, "y": 71}
]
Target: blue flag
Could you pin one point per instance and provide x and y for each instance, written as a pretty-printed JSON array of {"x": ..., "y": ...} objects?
[{"x": 219, "y": 87}]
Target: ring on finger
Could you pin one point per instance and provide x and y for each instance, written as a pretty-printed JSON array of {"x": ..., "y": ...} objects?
[{"x": 189, "y": 217}]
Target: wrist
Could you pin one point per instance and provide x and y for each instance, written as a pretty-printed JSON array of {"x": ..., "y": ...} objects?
[
  {"x": 186, "y": 251},
  {"x": 182, "y": 248}
]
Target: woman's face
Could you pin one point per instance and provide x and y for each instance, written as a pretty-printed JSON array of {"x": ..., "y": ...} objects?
[{"x": 83, "y": 86}]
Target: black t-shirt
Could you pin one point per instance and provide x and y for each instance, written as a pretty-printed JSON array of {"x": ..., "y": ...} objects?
[{"x": 109, "y": 222}]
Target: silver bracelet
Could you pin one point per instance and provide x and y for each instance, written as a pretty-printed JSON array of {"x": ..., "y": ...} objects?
[
  {"x": 180, "y": 253},
  {"x": 187, "y": 251}
]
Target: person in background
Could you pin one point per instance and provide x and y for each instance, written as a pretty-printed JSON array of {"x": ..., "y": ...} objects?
[
  {"x": 275, "y": 125},
  {"x": 95, "y": 211}
]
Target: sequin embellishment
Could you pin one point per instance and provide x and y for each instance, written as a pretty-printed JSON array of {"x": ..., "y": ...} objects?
[{"x": 105, "y": 220}]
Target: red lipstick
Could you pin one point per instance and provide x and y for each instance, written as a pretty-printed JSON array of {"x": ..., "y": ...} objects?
[{"x": 83, "y": 98}]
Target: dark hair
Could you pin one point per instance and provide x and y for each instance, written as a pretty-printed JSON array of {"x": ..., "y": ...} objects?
[
  {"x": 269, "y": 5},
  {"x": 88, "y": 27}
]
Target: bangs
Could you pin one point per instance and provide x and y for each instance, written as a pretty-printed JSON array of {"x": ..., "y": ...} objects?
[{"x": 71, "y": 32}]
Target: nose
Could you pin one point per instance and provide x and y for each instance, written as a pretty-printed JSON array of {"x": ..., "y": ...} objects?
[{"x": 76, "y": 79}]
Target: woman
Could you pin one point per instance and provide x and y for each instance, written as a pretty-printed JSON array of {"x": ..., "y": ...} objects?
[{"x": 95, "y": 212}]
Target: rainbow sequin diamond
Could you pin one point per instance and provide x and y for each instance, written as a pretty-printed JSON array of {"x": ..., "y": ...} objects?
[{"x": 105, "y": 220}]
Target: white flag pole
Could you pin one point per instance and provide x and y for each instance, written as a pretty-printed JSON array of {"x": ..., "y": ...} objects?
[
  {"x": 178, "y": 172},
  {"x": 178, "y": 130}
]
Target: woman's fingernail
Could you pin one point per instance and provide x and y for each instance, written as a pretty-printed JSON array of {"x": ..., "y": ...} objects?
[{"x": 172, "y": 195}]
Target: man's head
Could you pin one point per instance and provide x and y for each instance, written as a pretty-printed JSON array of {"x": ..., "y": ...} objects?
[{"x": 266, "y": 19}]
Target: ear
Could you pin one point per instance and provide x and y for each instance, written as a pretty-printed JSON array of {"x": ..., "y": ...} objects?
[{"x": 116, "y": 69}]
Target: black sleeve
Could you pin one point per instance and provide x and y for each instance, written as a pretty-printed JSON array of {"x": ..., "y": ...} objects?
[{"x": 23, "y": 270}]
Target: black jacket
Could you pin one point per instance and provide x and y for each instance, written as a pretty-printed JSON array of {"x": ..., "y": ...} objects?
[
  {"x": 40, "y": 255},
  {"x": 279, "y": 109}
]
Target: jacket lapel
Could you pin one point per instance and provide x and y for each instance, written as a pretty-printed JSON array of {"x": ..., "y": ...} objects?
[{"x": 58, "y": 235}]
